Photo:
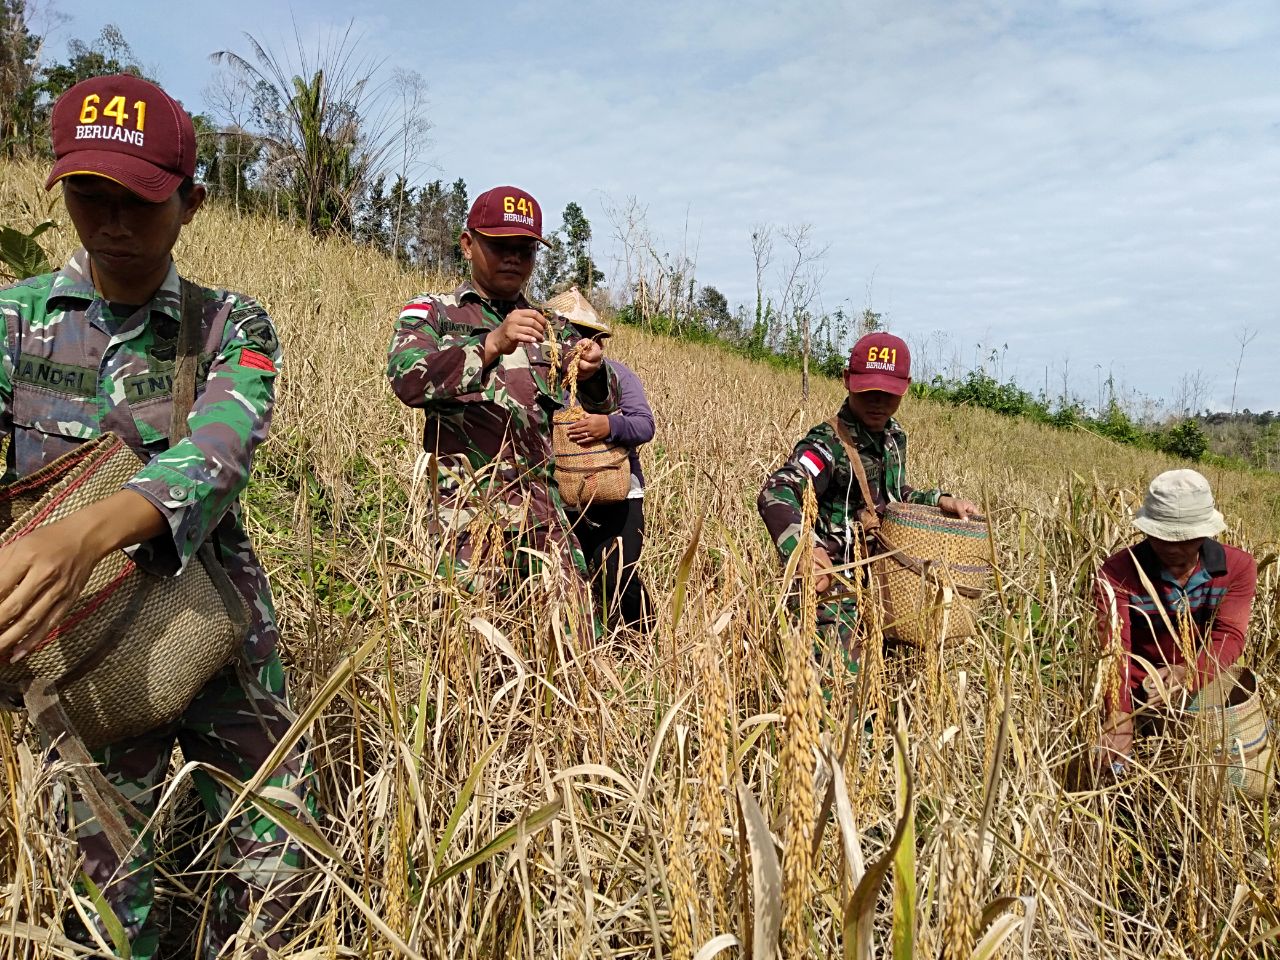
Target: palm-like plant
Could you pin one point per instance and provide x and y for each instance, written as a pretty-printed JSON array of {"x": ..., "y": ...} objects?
[{"x": 321, "y": 126}]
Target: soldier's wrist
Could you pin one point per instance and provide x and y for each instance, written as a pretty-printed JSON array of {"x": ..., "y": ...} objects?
[{"x": 490, "y": 351}]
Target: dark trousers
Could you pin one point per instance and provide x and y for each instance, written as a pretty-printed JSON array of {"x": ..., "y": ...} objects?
[{"x": 612, "y": 536}]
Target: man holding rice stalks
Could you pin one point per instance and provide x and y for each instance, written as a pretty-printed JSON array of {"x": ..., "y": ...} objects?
[
  {"x": 877, "y": 377},
  {"x": 1172, "y": 610},
  {"x": 91, "y": 349},
  {"x": 487, "y": 368}
]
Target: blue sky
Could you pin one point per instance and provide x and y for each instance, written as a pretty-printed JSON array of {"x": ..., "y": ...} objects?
[{"x": 1094, "y": 184}]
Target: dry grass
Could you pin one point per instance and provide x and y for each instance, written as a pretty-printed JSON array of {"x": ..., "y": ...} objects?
[{"x": 616, "y": 776}]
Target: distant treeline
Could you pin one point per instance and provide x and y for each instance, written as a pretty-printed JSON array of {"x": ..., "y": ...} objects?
[{"x": 1242, "y": 440}]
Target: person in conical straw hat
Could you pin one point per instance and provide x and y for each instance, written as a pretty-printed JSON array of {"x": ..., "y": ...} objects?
[
  {"x": 612, "y": 534},
  {"x": 90, "y": 349},
  {"x": 1204, "y": 588}
]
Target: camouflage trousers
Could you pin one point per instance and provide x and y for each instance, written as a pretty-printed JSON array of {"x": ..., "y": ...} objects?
[
  {"x": 839, "y": 633},
  {"x": 232, "y": 726}
]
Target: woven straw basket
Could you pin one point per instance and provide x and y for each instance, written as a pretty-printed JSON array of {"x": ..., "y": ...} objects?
[
  {"x": 599, "y": 473},
  {"x": 136, "y": 648},
  {"x": 1230, "y": 721},
  {"x": 927, "y": 551}
]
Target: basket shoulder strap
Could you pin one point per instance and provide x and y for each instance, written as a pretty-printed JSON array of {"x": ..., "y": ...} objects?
[
  {"x": 227, "y": 592},
  {"x": 867, "y": 516},
  {"x": 190, "y": 337},
  {"x": 109, "y": 806}
]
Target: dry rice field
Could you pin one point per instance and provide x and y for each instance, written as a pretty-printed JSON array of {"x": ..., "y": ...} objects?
[{"x": 491, "y": 787}]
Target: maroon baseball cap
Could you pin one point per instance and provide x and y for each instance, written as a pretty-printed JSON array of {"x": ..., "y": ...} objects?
[
  {"x": 879, "y": 361},
  {"x": 506, "y": 212},
  {"x": 127, "y": 130}
]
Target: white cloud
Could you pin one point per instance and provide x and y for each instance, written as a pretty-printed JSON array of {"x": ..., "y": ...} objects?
[{"x": 1099, "y": 180}]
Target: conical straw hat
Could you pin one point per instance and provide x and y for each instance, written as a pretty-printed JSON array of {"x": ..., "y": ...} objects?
[{"x": 577, "y": 309}]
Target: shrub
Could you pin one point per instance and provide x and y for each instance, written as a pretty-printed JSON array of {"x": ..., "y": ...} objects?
[{"x": 1186, "y": 440}]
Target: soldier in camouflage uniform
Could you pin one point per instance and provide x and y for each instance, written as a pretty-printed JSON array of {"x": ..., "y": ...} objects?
[
  {"x": 477, "y": 362},
  {"x": 90, "y": 349},
  {"x": 877, "y": 377}
]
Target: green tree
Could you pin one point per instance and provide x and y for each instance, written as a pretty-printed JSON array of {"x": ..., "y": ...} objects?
[
  {"x": 456, "y": 208},
  {"x": 400, "y": 204},
  {"x": 439, "y": 215},
  {"x": 552, "y": 273},
  {"x": 869, "y": 322},
  {"x": 1264, "y": 452},
  {"x": 712, "y": 309},
  {"x": 226, "y": 160},
  {"x": 577, "y": 240},
  {"x": 320, "y": 150},
  {"x": 19, "y": 87},
  {"x": 1186, "y": 440},
  {"x": 27, "y": 93},
  {"x": 109, "y": 53},
  {"x": 371, "y": 226}
]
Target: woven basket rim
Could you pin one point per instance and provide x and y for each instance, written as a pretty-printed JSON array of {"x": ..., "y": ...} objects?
[
  {"x": 937, "y": 520},
  {"x": 54, "y": 468}
]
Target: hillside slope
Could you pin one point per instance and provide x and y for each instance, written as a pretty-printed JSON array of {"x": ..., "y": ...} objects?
[{"x": 641, "y": 751}]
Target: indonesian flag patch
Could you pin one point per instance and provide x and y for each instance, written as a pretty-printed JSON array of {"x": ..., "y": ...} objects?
[
  {"x": 812, "y": 463},
  {"x": 258, "y": 361},
  {"x": 417, "y": 310}
]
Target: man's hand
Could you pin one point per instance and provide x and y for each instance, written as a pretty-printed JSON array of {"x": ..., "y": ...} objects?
[
  {"x": 822, "y": 577},
  {"x": 43, "y": 573},
  {"x": 590, "y": 429},
  {"x": 520, "y": 328},
  {"x": 964, "y": 509},
  {"x": 1115, "y": 746},
  {"x": 589, "y": 359},
  {"x": 1173, "y": 678}
]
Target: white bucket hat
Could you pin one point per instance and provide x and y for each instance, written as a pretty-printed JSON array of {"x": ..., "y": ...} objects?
[{"x": 1179, "y": 506}]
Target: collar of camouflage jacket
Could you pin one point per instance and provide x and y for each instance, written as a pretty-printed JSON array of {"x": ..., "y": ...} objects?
[
  {"x": 75, "y": 282},
  {"x": 465, "y": 291}
]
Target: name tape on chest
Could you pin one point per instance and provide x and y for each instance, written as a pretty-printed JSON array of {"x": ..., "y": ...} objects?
[
  {"x": 149, "y": 386},
  {"x": 157, "y": 383},
  {"x": 62, "y": 378},
  {"x": 460, "y": 328}
]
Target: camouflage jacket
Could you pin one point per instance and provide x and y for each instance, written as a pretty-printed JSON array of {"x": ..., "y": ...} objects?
[
  {"x": 74, "y": 366},
  {"x": 488, "y": 428},
  {"x": 820, "y": 459}
]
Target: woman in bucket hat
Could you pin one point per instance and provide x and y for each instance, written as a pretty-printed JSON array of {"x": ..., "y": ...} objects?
[{"x": 1177, "y": 577}]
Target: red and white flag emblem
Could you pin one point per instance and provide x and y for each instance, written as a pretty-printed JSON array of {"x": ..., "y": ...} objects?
[{"x": 812, "y": 462}]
